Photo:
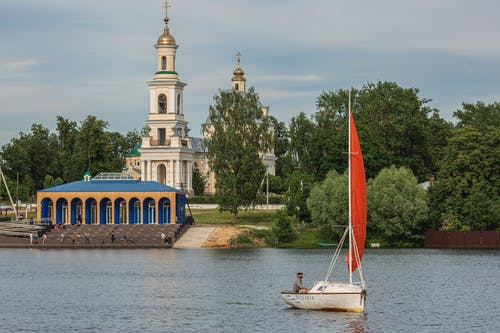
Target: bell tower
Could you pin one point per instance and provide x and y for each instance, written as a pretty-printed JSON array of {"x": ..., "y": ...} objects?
[
  {"x": 166, "y": 88},
  {"x": 166, "y": 149}
]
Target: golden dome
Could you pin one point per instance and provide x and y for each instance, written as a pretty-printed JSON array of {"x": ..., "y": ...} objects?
[
  {"x": 239, "y": 72},
  {"x": 166, "y": 38}
]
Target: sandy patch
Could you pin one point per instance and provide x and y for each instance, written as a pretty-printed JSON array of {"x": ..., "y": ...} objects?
[{"x": 221, "y": 236}]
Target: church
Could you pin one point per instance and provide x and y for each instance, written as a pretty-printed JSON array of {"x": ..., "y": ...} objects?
[{"x": 167, "y": 154}]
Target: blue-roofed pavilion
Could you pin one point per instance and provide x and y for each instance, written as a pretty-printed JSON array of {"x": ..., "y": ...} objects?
[{"x": 112, "y": 198}]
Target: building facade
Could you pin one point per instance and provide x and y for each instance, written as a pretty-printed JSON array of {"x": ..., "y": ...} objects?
[
  {"x": 111, "y": 198},
  {"x": 167, "y": 153}
]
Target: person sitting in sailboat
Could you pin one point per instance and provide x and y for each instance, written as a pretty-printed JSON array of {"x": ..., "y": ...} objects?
[{"x": 297, "y": 286}]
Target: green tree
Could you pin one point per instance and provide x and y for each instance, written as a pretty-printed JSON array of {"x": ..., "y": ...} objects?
[
  {"x": 284, "y": 164},
  {"x": 93, "y": 147},
  {"x": 49, "y": 181},
  {"x": 467, "y": 188},
  {"x": 282, "y": 228},
  {"x": 479, "y": 115},
  {"x": 239, "y": 133},
  {"x": 395, "y": 126},
  {"x": 198, "y": 182},
  {"x": 438, "y": 133},
  {"x": 329, "y": 205},
  {"x": 276, "y": 185},
  {"x": 30, "y": 157},
  {"x": 331, "y": 135},
  {"x": 67, "y": 132},
  {"x": 121, "y": 145},
  {"x": 397, "y": 206},
  {"x": 298, "y": 186},
  {"x": 302, "y": 148}
]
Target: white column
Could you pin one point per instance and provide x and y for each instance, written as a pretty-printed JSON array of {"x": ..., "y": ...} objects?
[
  {"x": 148, "y": 170},
  {"x": 143, "y": 170},
  {"x": 172, "y": 173},
  {"x": 189, "y": 176},
  {"x": 178, "y": 178}
]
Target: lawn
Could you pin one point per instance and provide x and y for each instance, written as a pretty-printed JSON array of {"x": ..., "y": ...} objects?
[{"x": 251, "y": 217}]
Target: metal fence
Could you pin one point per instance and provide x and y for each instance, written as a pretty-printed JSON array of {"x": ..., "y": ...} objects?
[{"x": 462, "y": 239}]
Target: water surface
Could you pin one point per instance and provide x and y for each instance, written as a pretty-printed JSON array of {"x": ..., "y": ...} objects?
[{"x": 184, "y": 290}]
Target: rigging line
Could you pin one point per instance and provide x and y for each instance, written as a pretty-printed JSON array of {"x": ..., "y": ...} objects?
[
  {"x": 336, "y": 255},
  {"x": 358, "y": 260}
]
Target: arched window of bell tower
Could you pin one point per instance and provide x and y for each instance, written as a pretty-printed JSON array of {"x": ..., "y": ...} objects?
[
  {"x": 163, "y": 63},
  {"x": 162, "y": 103},
  {"x": 236, "y": 87},
  {"x": 178, "y": 103}
]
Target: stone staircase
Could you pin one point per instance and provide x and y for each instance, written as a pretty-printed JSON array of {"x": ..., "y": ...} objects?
[{"x": 101, "y": 236}]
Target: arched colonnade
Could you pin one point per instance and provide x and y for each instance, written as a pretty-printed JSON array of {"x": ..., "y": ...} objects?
[{"x": 108, "y": 208}]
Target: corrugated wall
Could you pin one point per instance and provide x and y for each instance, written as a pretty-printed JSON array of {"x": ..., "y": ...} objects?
[{"x": 462, "y": 239}]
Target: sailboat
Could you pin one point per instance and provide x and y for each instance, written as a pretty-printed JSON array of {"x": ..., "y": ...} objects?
[{"x": 347, "y": 296}]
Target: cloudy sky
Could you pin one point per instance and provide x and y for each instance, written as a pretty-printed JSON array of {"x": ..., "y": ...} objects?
[{"x": 75, "y": 58}]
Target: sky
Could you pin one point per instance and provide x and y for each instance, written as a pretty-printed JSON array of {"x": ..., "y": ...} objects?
[{"x": 95, "y": 57}]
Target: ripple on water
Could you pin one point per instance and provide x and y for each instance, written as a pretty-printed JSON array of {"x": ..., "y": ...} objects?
[{"x": 238, "y": 291}]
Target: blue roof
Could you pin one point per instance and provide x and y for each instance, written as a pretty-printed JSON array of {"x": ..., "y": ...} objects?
[{"x": 112, "y": 186}]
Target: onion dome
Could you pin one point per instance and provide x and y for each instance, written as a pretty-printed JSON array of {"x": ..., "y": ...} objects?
[
  {"x": 166, "y": 38},
  {"x": 239, "y": 72}
]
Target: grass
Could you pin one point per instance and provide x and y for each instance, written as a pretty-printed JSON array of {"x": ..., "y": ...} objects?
[
  {"x": 250, "y": 217},
  {"x": 306, "y": 238}
]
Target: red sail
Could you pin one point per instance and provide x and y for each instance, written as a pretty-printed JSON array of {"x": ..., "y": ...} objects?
[{"x": 358, "y": 198}]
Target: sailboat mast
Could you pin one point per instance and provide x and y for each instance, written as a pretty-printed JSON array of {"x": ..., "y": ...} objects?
[{"x": 350, "y": 203}]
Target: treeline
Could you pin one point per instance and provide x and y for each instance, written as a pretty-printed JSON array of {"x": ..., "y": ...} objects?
[
  {"x": 405, "y": 143},
  {"x": 40, "y": 158}
]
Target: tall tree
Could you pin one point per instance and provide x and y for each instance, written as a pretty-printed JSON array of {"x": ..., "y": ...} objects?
[
  {"x": 466, "y": 193},
  {"x": 67, "y": 132},
  {"x": 397, "y": 206},
  {"x": 239, "y": 133},
  {"x": 395, "y": 127},
  {"x": 284, "y": 163},
  {"x": 298, "y": 186},
  {"x": 93, "y": 146},
  {"x": 198, "y": 182},
  {"x": 479, "y": 115},
  {"x": 31, "y": 157},
  {"x": 303, "y": 149},
  {"x": 329, "y": 205},
  {"x": 121, "y": 145}
]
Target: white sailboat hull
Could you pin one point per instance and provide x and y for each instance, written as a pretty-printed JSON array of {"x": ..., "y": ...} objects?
[{"x": 329, "y": 296}]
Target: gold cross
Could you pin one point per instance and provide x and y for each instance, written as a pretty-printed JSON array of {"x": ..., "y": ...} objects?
[{"x": 166, "y": 5}]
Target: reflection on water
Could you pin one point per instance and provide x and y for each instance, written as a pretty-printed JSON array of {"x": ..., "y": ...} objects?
[
  {"x": 239, "y": 291},
  {"x": 355, "y": 322}
]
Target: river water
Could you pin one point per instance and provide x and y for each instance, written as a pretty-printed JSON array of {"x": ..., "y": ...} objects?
[{"x": 208, "y": 290}]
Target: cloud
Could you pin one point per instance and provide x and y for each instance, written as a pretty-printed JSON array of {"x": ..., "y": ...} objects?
[
  {"x": 76, "y": 58},
  {"x": 17, "y": 68},
  {"x": 287, "y": 77},
  {"x": 19, "y": 65}
]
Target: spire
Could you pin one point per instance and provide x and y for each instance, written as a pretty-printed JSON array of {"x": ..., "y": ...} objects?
[
  {"x": 166, "y": 19},
  {"x": 166, "y": 38}
]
